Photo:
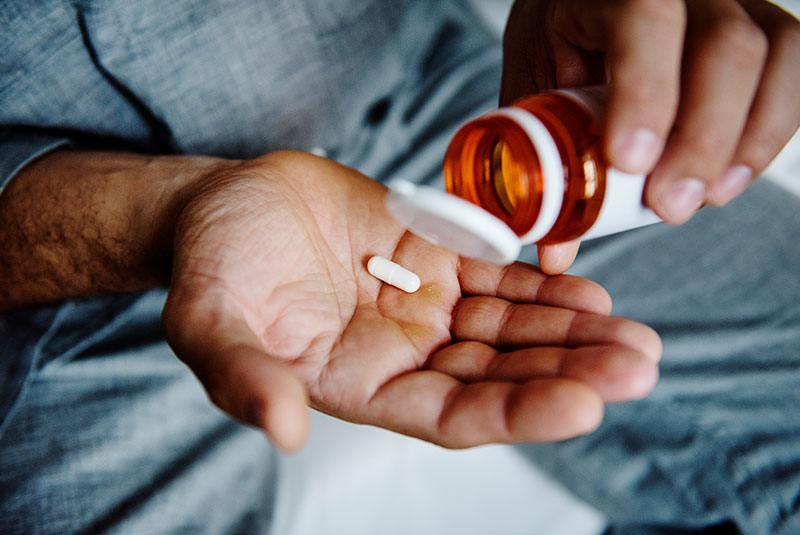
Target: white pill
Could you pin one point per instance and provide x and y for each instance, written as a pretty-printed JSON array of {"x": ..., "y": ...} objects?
[{"x": 394, "y": 274}]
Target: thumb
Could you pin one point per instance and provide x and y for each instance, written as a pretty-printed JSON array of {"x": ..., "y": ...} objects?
[
  {"x": 214, "y": 340},
  {"x": 557, "y": 258}
]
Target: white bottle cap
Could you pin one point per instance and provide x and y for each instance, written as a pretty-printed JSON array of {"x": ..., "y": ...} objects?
[
  {"x": 470, "y": 230},
  {"x": 452, "y": 222}
]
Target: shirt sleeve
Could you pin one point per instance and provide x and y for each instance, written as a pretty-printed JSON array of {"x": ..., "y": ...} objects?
[
  {"x": 18, "y": 151},
  {"x": 20, "y": 331}
]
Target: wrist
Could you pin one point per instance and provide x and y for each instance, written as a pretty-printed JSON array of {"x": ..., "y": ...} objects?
[
  {"x": 170, "y": 183},
  {"x": 76, "y": 224}
]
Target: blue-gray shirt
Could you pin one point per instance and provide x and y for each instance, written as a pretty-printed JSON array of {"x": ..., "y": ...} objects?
[{"x": 227, "y": 78}]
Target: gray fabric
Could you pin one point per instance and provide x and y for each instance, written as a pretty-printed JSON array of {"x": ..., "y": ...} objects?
[
  {"x": 103, "y": 430},
  {"x": 115, "y": 435},
  {"x": 19, "y": 150},
  {"x": 716, "y": 442}
]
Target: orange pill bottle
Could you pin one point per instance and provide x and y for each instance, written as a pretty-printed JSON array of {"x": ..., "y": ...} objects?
[
  {"x": 539, "y": 167},
  {"x": 537, "y": 170}
]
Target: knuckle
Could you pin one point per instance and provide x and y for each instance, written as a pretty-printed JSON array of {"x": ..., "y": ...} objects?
[
  {"x": 654, "y": 95},
  {"x": 787, "y": 36},
  {"x": 670, "y": 13},
  {"x": 707, "y": 145},
  {"x": 743, "y": 40},
  {"x": 761, "y": 148}
]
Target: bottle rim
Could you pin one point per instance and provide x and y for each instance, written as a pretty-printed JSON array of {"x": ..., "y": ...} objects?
[{"x": 552, "y": 169}]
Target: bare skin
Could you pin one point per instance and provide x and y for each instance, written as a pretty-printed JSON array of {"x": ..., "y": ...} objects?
[
  {"x": 479, "y": 354},
  {"x": 272, "y": 308},
  {"x": 703, "y": 92},
  {"x": 270, "y": 304}
]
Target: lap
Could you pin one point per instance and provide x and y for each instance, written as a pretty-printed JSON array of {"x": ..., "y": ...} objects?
[
  {"x": 123, "y": 434},
  {"x": 119, "y": 436},
  {"x": 715, "y": 443}
]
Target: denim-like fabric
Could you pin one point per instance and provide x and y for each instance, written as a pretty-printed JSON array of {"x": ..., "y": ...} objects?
[
  {"x": 114, "y": 435},
  {"x": 103, "y": 430},
  {"x": 716, "y": 443},
  {"x": 106, "y": 431}
]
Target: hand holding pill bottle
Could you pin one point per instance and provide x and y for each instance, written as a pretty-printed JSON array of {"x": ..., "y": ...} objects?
[{"x": 538, "y": 168}]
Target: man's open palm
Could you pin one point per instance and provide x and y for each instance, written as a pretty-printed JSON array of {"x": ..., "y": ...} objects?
[{"x": 271, "y": 306}]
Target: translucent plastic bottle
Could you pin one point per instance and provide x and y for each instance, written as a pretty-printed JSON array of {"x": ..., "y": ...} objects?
[
  {"x": 539, "y": 167},
  {"x": 529, "y": 173}
]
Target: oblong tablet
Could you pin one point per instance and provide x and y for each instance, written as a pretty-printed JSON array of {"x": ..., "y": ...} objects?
[{"x": 394, "y": 274}]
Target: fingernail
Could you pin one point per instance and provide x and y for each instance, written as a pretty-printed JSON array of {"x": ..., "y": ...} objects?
[
  {"x": 732, "y": 183},
  {"x": 683, "y": 199},
  {"x": 637, "y": 151}
]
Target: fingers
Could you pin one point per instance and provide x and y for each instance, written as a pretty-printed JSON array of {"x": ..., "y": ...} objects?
[
  {"x": 643, "y": 42},
  {"x": 775, "y": 112},
  {"x": 702, "y": 91},
  {"x": 215, "y": 342},
  {"x": 556, "y": 259},
  {"x": 438, "y": 408},
  {"x": 552, "y": 388},
  {"x": 524, "y": 283},
  {"x": 616, "y": 373},
  {"x": 506, "y": 325},
  {"x": 725, "y": 54},
  {"x": 683, "y": 77}
]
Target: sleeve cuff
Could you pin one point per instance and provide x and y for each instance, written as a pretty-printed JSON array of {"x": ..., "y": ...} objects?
[{"x": 17, "y": 152}]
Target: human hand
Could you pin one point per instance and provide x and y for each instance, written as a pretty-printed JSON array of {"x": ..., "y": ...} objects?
[
  {"x": 703, "y": 92},
  {"x": 271, "y": 306}
]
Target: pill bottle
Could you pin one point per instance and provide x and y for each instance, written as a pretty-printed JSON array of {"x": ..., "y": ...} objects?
[{"x": 538, "y": 167}]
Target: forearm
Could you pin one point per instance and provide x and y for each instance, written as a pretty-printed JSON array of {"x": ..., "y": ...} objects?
[{"x": 76, "y": 224}]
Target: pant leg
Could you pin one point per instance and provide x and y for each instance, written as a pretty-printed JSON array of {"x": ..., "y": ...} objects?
[
  {"x": 113, "y": 434},
  {"x": 716, "y": 443},
  {"x": 713, "y": 447}
]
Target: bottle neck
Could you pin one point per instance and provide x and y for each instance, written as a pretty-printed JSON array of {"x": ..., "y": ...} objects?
[
  {"x": 492, "y": 163},
  {"x": 548, "y": 177},
  {"x": 576, "y": 133}
]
